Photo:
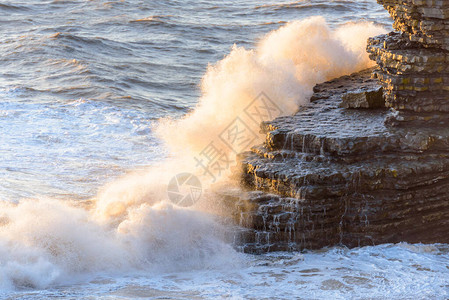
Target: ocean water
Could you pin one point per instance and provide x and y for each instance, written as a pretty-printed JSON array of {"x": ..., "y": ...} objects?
[{"x": 103, "y": 102}]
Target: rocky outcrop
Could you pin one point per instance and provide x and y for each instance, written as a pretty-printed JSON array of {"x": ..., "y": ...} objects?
[
  {"x": 414, "y": 64},
  {"x": 330, "y": 175},
  {"x": 354, "y": 167},
  {"x": 423, "y": 21}
]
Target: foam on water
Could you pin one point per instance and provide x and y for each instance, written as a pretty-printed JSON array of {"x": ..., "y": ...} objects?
[
  {"x": 48, "y": 242},
  {"x": 49, "y": 138},
  {"x": 400, "y": 271}
]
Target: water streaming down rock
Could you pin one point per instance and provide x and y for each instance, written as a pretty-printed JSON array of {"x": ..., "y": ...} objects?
[{"x": 343, "y": 171}]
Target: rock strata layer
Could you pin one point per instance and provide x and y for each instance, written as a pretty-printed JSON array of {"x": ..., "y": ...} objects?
[
  {"x": 424, "y": 21},
  {"x": 330, "y": 175},
  {"x": 413, "y": 65}
]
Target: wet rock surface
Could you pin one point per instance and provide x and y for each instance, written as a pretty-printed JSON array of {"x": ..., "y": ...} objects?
[{"x": 330, "y": 175}]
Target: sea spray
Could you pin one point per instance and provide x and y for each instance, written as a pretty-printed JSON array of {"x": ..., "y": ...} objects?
[
  {"x": 130, "y": 225},
  {"x": 285, "y": 65},
  {"x": 46, "y": 241}
]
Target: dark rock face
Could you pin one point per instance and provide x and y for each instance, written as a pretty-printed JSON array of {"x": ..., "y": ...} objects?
[
  {"x": 355, "y": 167},
  {"x": 330, "y": 175}
]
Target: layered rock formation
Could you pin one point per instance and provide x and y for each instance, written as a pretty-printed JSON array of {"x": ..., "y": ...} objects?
[
  {"x": 414, "y": 64},
  {"x": 341, "y": 171},
  {"x": 423, "y": 21}
]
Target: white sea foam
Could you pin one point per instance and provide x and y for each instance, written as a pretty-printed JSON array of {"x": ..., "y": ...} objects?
[
  {"x": 400, "y": 271},
  {"x": 46, "y": 242}
]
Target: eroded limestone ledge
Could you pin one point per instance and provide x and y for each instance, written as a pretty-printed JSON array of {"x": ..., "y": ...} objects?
[{"x": 330, "y": 175}]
